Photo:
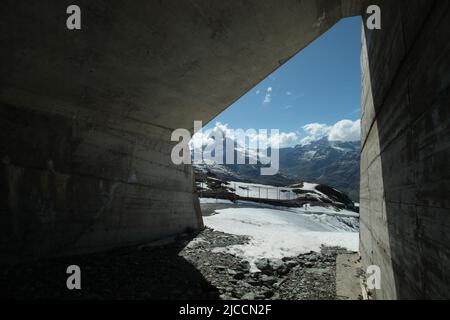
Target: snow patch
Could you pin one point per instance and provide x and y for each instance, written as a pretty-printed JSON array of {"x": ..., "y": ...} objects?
[
  {"x": 196, "y": 242},
  {"x": 279, "y": 233},
  {"x": 212, "y": 200}
]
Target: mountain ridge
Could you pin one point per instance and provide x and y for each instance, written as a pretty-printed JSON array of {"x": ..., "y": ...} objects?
[{"x": 332, "y": 163}]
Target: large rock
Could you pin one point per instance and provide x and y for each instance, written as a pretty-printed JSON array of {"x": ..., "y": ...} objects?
[
  {"x": 248, "y": 296},
  {"x": 271, "y": 266},
  {"x": 268, "y": 280}
]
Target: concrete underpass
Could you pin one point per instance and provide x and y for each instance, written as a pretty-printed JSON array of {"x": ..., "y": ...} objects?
[{"x": 87, "y": 116}]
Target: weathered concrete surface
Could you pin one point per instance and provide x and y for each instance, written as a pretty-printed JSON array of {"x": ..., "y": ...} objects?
[
  {"x": 348, "y": 274},
  {"x": 86, "y": 118},
  {"x": 87, "y": 115},
  {"x": 405, "y": 181}
]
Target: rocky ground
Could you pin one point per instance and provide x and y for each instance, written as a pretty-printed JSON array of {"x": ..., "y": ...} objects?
[
  {"x": 308, "y": 276},
  {"x": 183, "y": 269}
]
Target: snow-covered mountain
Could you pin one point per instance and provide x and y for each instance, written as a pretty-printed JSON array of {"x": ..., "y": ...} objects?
[{"x": 332, "y": 163}]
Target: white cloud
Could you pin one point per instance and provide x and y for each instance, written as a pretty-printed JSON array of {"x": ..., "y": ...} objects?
[
  {"x": 200, "y": 139},
  {"x": 344, "y": 130},
  {"x": 279, "y": 140},
  {"x": 268, "y": 97},
  {"x": 282, "y": 139},
  {"x": 314, "y": 131},
  {"x": 289, "y": 93}
]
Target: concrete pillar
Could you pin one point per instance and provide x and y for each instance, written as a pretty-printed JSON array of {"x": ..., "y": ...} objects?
[
  {"x": 405, "y": 220},
  {"x": 78, "y": 185}
]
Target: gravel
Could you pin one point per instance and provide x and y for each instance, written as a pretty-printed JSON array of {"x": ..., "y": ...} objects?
[
  {"x": 183, "y": 269},
  {"x": 308, "y": 276}
]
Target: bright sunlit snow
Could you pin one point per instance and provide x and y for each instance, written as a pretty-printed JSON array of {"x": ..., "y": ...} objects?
[
  {"x": 278, "y": 233},
  {"x": 212, "y": 200},
  {"x": 251, "y": 190}
]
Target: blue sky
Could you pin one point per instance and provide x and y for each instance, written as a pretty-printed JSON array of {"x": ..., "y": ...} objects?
[{"x": 309, "y": 94}]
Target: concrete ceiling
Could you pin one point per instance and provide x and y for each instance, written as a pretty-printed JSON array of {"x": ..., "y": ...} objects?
[{"x": 160, "y": 63}]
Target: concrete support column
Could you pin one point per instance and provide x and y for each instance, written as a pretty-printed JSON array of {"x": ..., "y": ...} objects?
[
  {"x": 405, "y": 207},
  {"x": 76, "y": 184}
]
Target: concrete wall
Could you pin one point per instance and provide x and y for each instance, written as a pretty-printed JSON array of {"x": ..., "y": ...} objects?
[
  {"x": 74, "y": 185},
  {"x": 87, "y": 115},
  {"x": 405, "y": 176}
]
